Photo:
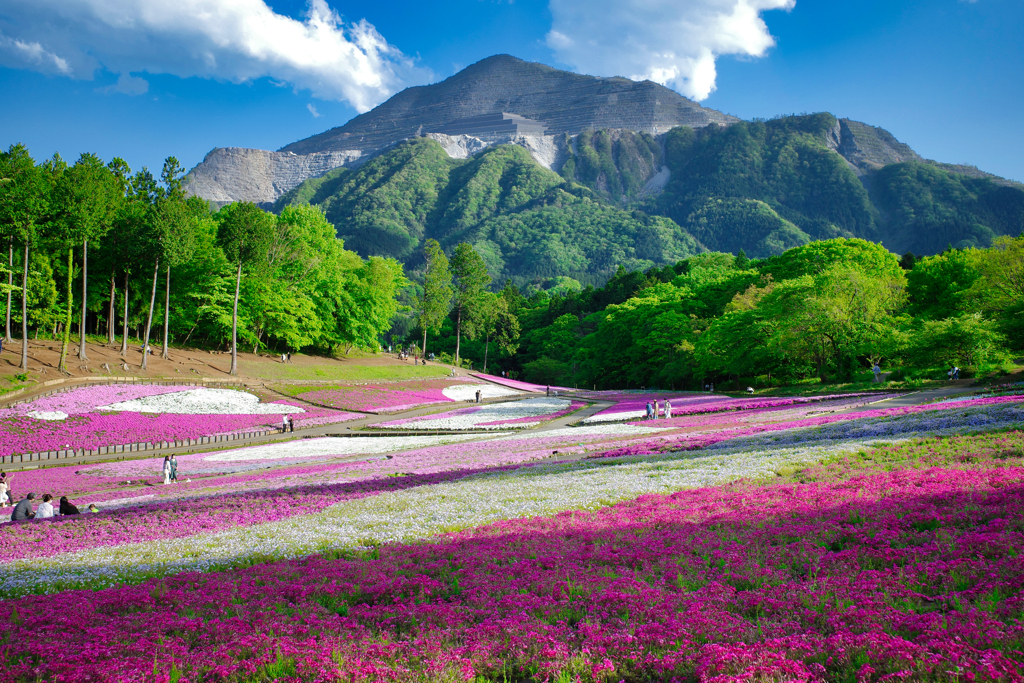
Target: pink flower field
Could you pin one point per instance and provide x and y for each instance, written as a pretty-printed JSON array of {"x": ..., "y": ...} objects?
[
  {"x": 903, "y": 575},
  {"x": 86, "y": 427}
]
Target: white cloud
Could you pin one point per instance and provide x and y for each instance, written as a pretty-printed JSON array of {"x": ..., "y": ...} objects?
[
  {"x": 232, "y": 40},
  {"x": 128, "y": 85},
  {"x": 312, "y": 110},
  {"x": 18, "y": 53},
  {"x": 673, "y": 42}
]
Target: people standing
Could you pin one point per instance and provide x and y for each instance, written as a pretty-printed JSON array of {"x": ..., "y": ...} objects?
[
  {"x": 878, "y": 373},
  {"x": 668, "y": 409},
  {"x": 291, "y": 423},
  {"x": 284, "y": 424},
  {"x": 67, "y": 507},
  {"x": 45, "y": 509},
  {"x": 174, "y": 468},
  {"x": 956, "y": 372},
  {"x": 23, "y": 510},
  {"x": 4, "y": 500},
  {"x": 648, "y": 408},
  {"x": 167, "y": 470}
]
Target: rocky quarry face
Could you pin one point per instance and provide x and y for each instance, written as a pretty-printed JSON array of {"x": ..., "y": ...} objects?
[{"x": 500, "y": 100}]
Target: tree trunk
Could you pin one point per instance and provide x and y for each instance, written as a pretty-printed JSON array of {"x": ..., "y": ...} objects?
[
  {"x": 111, "y": 312},
  {"x": 63, "y": 365},
  {"x": 24, "y": 312},
  {"x": 85, "y": 281},
  {"x": 124, "y": 332},
  {"x": 167, "y": 311},
  {"x": 149, "y": 319},
  {"x": 234, "y": 323},
  {"x": 487, "y": 343},
  {"x": 10, "y": 285},
  {"x": 424, "y": 341},
  {"x": 458, "y": 333}
]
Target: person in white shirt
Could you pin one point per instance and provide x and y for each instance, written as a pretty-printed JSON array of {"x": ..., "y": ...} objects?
[
  {"x": 45, "y": 508},
  {"x": 668, "y": 409}
]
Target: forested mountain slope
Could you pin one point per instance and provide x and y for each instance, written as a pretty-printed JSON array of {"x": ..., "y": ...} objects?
[
  {"x": 633, "y": 199},
  {"x": 526, "y": 221}
]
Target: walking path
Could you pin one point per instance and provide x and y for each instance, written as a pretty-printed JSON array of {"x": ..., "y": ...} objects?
[{"x": 916, "y": 398}]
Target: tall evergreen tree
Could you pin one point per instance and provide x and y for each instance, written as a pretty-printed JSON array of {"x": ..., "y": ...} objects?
[
  {"x": 471, "y": 281},
  {"x": 24, "y": 202},
  {"x": 85, "y": 202},
  {"x": 437, "y": 290},
  {"x": 246, "y": 233}
]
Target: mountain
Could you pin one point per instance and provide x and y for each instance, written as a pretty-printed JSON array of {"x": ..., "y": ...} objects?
[
  {"x": 499, "y": 99},
  {"x": 526, "y": 221},
  {"x": 554, "y": 174},
  {"x": 560, "y": 101}
]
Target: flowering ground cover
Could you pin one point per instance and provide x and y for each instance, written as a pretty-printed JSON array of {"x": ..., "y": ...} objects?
[
  {"x": 973, "y": 414},
  {"x": 517, "y": 384},
  {"x": 93, "y": 416},
  {"x": 497, "y": 481},
  {"x": 902, "y": 575},
  {"x": 492, "y": 416},
  {"x": 632, "y": 405},
  {"x": 389, "y": 397}
]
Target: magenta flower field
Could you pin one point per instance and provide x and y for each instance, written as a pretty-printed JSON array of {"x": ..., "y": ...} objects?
[
  {"x": 74, "y": 420},
  {"x": 905, "y": 575},
  {"x": 745, "y": 539}
]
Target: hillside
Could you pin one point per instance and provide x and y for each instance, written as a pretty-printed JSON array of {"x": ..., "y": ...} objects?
[
  {"x": 526, "y": 221},
  {"x": 763, "y": 187}
]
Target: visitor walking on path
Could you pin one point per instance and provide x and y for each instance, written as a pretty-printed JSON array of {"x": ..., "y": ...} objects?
[
  {"x": 167, "y": 469},
  {"x": 45, "y": 509},
  {"x": 174, "y": 468},
  {"x": 668, "y": 409},
  {"x": 67, "y": 507},
  {"x": 23, "y": 510},
  {"x": 878, "y": 373},
  {"x": 648, "y": 408}
]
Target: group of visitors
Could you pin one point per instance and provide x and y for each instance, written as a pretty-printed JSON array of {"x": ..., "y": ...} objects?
[
  {"x": 23, "y": 508},
  {"x": 652, "y": 409},
  {"x": 286, "y": 357},
  {"x": 954, "y": 373},
  {"x": 170, "y": 469},
  {"x": 287, "y": 424}
]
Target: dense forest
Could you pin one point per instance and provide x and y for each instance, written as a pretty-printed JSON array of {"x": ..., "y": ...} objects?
[
  {"x": 827, "y": 310},
  {"x": 762, "y": 186},
  {"x": 97, "y": 248}
]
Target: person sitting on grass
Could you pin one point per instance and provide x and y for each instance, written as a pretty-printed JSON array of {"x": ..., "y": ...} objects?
[
  {"x": 23, "y": 510},
  {"x": 45, "y": 509},
  {"x": 67, "y": 507}
]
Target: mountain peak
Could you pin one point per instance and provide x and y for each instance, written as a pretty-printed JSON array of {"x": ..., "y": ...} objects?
[{"x": 561, "y": 101}]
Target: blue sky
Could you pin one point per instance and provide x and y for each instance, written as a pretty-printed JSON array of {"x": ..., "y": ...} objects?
[{"x": 945, "y": 76}]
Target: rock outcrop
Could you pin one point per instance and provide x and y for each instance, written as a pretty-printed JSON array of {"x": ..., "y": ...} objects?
[{"x": 234, "y": 174}]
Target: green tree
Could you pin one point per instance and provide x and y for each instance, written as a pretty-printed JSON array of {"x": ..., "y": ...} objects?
[
  {"x": 24, "y": 203},
  {"x": 471, "y": 281},
  {"x": 436, "y": 301},
  {"x": 969, "y": 340},
  {"x": 999, "y": 291},
  {"x": 500, "y": 323},
  {"x": 176, "y": 223},
  {"x": 245, "y": 234},
  {"x": 938, "y": 285},
  {"x": 85, "y": 201}
]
